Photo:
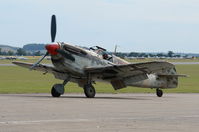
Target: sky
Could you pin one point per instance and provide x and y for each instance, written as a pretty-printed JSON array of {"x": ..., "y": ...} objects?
[{"x": 133, "y": 25}]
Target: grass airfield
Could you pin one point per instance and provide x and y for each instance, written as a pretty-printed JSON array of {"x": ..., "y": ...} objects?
[
  {"x": 15, "y": 79},
  {"x": 33, "y": 59}
]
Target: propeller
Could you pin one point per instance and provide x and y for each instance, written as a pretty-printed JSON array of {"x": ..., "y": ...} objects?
[
  {"x": 53, "y": 49},
  {"x": 53, "y": 35},
  {"x": 53, "y": 28}
]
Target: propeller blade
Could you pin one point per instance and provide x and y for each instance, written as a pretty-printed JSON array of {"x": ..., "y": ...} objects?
[
  {"x": 65, "y": 54},
  {"x": 53, "y": 28},
  {"x": 36, "y": 63}
]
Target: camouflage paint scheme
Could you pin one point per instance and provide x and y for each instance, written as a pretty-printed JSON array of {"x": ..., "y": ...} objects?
[{"x": 89, "y": 65}]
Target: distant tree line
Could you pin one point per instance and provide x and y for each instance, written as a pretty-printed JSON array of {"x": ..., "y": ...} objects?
[
  {"x": 20, "y": 52},
  {"x": 34, "y": 47},
  {"x": 25, "y": 51},
  {"x": 145, "y": 55},
  {"x": 6, "y": 53}
]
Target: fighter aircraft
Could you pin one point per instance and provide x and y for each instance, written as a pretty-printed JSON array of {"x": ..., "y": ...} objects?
[{"x": 85, "y": 66}]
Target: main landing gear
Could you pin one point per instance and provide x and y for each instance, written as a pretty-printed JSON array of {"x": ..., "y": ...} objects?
[
  {"x": 89, "y": 91},
  {"x": 58, "y": 89},
  {"x": 159, "y": 92}
]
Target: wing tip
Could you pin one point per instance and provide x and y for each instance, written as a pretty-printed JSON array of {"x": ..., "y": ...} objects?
[
  {"x": 15, "y": 62},
  {"x": 20, "y": 62}
]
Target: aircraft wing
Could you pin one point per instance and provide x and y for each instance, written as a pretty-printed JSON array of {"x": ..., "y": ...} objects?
[
  {"x": 40, "y": 67},
  {"x": 121, "y": 71},
  {"x": 44, "y": 69}
]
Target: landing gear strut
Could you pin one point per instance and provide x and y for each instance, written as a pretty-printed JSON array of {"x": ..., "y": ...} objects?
[
  {"x": 58, "y": 89},
  {"x": 159, "y": 92},
  {"x": 89, "y": 91}
]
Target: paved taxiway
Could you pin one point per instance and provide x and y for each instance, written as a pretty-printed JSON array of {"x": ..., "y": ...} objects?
[{"x": 106, "y": 112}]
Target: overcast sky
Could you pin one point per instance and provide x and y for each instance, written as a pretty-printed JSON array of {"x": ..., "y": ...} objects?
[{"x": 134, "y": 25}]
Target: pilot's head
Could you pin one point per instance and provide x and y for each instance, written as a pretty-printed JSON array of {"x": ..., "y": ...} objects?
[{"x": 105, "y": 56}]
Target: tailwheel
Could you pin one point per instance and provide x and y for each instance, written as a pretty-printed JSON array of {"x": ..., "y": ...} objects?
[
  {"x": 89, "y": 91},
  {"x": 57, "y": 90},
  {"x": 159, "y": 92}
]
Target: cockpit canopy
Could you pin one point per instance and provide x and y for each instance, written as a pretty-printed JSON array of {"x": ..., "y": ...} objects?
[
  {"x": 101, "y": 51},
  {"x": 96, "y": 48}
]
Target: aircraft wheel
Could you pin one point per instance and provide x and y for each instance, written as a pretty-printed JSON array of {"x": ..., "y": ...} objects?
[
  {"x": 57, "y": 90},
  {"x": 159, "y": 92},
  {"x": 89, "y": 91}
]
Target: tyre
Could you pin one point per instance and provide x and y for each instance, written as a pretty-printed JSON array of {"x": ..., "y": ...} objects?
[
  {"x": 159, "y": 92},
  {"x": 54, "y": 93},
  {"x": 89, "y": 91}
]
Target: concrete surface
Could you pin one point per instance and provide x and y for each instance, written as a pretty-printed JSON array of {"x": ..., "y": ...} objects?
[{"x": 106, "y": 112}]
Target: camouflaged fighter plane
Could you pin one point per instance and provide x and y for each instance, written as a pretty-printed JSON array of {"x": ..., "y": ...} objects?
[{"x": 86, "y": 66}]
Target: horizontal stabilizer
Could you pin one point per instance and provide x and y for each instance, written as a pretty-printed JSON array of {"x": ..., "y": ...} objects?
[{"x": 173, "y": 75}]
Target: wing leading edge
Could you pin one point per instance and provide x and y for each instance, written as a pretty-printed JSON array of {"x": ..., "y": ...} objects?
[
  {"x": 122, "y": 71},
  {"x": 44, "y": 69},
  {"x": 40, "y": 67}
]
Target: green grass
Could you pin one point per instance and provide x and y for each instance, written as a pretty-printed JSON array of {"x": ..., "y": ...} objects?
[
  {"x": 28, "y": 61},
  {"x": 168, "y": 60},
  {"x": 34, "y": 59},
  {"x": 20, "y": 80}
]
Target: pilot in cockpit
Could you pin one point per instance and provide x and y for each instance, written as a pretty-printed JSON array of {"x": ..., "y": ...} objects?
[
  {"x": 105, "y": 56},
  {"x": 102, "y": 52}
]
